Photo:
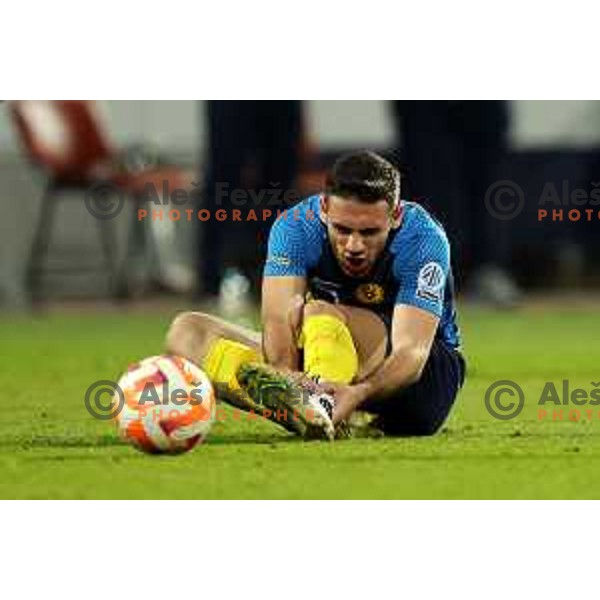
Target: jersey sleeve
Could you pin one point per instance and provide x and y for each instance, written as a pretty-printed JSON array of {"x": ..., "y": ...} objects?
[
  {"x": 286, "y": 253},
  {"x": 423, "y": 271}
]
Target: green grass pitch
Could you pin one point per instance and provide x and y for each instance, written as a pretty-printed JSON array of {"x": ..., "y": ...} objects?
[{"x": 51, "y": 448}]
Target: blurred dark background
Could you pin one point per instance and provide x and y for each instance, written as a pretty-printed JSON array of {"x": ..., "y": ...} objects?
[{"x": 450, "y": 154}]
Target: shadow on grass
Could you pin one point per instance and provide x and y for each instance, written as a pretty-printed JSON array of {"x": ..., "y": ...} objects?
[
  {"x": 105, "y": 441},
  {"x": 253, "y": 438},
  {"x": 60, "y": 441}
]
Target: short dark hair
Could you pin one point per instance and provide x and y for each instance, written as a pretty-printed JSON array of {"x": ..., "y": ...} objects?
[{"x": 365, "y": 176}]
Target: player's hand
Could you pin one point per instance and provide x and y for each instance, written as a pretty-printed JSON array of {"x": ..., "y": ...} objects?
[{"x": 347, "y": 399}]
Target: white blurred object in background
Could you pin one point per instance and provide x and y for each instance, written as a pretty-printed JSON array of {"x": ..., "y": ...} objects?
[{"x": 234, "y": 294}]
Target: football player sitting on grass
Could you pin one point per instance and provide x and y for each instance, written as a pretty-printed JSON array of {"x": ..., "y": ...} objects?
[{"x": 357, "y": 303}]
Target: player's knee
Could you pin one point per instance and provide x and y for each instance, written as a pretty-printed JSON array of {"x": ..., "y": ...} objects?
[
  {"x": 186, "y": 332},
  {"x": 320, "y": 307}
]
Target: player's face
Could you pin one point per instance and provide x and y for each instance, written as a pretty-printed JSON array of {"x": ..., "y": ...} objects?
[{"x": 357, "y": 231}]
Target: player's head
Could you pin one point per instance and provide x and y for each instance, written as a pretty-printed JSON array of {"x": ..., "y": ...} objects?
[{"x": 360, "y": 206}]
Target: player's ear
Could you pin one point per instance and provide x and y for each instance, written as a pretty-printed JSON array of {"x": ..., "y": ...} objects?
[
  {"x": 323, "y": 206},
  {"x": 396, "y": 214}
]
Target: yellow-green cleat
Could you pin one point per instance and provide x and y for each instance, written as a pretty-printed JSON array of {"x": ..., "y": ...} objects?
[{"x": 292, "y": 400}]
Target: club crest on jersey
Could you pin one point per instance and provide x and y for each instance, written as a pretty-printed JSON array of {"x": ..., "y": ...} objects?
[
  {"x": 370, "y": 293},
  {"x": 430, "y": 283}
]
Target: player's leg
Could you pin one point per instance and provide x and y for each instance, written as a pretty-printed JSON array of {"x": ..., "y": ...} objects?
[
  {"x": 422, "y": 408},
  {"x": 342, "y": 344},
  {"x": 231, "y": 357},
  {"x": 371, "y": 339},
  {"x": 193, "y": 334},
  {"x": 218, "y": 347},
  {"x": 355, "y": 342}
]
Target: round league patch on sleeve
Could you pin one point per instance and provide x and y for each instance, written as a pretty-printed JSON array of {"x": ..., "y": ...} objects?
[{"x": 430, "y": 282}]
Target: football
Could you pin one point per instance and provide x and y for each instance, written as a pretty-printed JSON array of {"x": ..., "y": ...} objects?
[{"x": 164, "y": 405}]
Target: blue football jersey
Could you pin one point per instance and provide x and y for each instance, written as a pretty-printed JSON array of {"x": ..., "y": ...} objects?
[{"x": 414, "y": 267}]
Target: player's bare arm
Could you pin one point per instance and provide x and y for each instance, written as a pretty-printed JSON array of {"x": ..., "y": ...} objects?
[{"x": 282, "y": 302}]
